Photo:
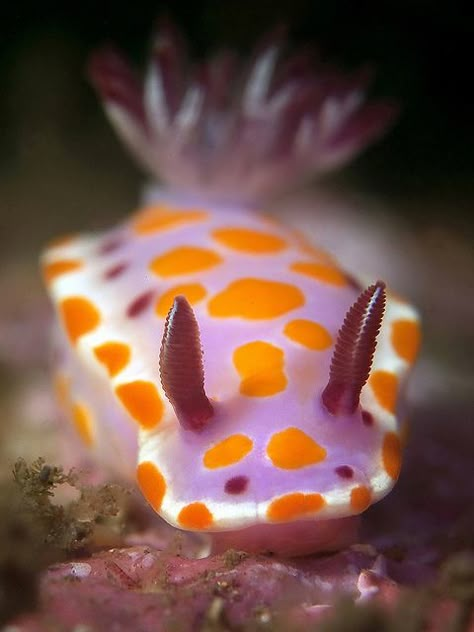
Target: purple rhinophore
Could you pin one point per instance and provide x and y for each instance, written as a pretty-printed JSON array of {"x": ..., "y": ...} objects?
[
  {"x": 354, "y": 351},
  {"x": 181, "y": 368}
]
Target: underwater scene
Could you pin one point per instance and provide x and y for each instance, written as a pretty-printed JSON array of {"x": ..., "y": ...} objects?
[{"x": 236, "y": 307}]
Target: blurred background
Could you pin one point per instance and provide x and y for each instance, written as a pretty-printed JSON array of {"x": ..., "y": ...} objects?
[
  {"x": 60, "y": 161},
  {"x": 404, "y": 208}
]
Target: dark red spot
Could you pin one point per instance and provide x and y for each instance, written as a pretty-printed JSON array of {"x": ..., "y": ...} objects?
[
  {"x": 236, "y": 485},
  {"x": 115, "y": 271},
  {"x": 344, "y": 471},
  {"x": 140, "y": 304},
  {"x": 111, "y": 245},
  {"x": 367, "y": 418}
]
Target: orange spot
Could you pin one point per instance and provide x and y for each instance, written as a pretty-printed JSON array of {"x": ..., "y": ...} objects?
[
  {"x": 195, "y": 516},
  {"x": 309, "y": 334},
  {"x": 229, "y": 451},
  {"x": 160, "y": 217},
  {"x": 360, "y": 498},
  {"x": 184, "y": 260},
  {"x": 194, "y": 292},
  {"x": 260, "y": 365},
  {"x": 392, "y": 454},
  {"x": 142, "y": 401},
  {"x": 61, "y": 387},
  {"x": 113, "y": 355},
  {"x": 406, "y": 339},
  {"x": 62, "y": 240},
  {"x": 151, "y": 483},
  {"x": 251, "y": 241},
  {"x": 82, "y": 419},
  {"x": 79, "y": 316},
  {"x": 385, "y": 387},
  {"x": 256, "y": 299},
  {"x": 325, "y": 273},
  {"x": 53, "y": 270},
  {"x": 294, "y": 506},
  {"x": 292, "y": 449}
]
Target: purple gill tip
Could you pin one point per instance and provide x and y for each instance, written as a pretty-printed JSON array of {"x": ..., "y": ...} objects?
[
  {"x": 354, "y": 351},
  {"x": 116, "y": 82},
  {"x": 181, "y": 367},
  {"x": 231, "y": 128}
]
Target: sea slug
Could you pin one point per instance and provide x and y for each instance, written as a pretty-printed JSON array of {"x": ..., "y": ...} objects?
[{"x": 248, "y": 382}]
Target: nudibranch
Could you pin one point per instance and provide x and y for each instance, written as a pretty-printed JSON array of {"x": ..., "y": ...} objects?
[{"x": 247, "y": 382}]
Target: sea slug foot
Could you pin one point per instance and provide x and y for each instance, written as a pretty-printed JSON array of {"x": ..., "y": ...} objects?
[{"x": 290, "y": 539}]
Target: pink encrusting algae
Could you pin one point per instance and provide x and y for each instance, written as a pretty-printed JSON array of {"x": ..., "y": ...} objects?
[{"x": 238, "y": 372}]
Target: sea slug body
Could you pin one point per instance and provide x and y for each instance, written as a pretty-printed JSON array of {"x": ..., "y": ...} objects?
[{"x": 246, "y": 381}]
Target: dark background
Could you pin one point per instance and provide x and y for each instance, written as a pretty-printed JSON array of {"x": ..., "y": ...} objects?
[{"x": 58, "y": 158}]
